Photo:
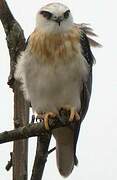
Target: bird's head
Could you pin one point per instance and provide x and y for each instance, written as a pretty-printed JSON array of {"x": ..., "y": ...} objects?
[{"x": 54, "y": 18}]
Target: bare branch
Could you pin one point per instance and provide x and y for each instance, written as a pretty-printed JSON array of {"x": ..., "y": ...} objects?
[
  {"x": 10, "y": 163},
  {"x": 41, "y": 156},
  {"x": 14, "y": 36},
  {"x": 51, "y": 150},
  {"x": 22, "y": 133},
  {"x": 31, "y": 130},
  {"x": 16, "y": 43}
]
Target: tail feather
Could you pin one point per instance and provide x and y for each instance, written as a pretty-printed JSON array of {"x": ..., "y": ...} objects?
[{"x": 64, "y": 150}]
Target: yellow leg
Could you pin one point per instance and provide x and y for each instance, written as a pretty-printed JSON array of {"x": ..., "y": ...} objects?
[
  {"x": 47, "y": 116},
  {"x": 73, "y": 113}
]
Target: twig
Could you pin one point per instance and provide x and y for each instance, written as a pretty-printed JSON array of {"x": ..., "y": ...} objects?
[
  {"x": 51, "y": 150},
  {"x": 10, "y": 163},
  {"x": 41, "y": 156},
  {"x": 16, "y": 44}
]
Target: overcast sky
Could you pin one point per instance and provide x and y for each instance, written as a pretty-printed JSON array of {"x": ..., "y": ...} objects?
[{"x": 97, "y": 146}]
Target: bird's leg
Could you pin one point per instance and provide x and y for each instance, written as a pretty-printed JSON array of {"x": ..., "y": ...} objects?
[
  {"x": 42, "y": 116},
  {"x": 73, "y": 113},
  {"x": 46, "y": 118}
]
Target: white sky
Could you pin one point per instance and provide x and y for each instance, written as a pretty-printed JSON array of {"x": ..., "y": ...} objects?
[{"x": 97, "y": 146}]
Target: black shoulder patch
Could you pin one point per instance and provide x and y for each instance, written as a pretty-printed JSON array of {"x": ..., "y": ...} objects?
[{"x": 86, "y": 51}]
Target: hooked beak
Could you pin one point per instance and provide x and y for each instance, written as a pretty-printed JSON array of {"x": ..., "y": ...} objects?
[{"x": 59, "y": 20}]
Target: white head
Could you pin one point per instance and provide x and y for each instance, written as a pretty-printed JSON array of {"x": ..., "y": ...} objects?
[{"x": 54, "y": 18}]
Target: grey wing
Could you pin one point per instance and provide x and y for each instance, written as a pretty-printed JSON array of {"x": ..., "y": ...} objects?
[
  {"x": 87, "y": 87},
  {"x": 90, "y": 33}
]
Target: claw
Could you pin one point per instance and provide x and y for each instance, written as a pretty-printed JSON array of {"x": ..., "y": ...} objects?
[
  {"x": 46, "y": 118},
  {"x": 42, "y": 116},
  {"x": 73, "y": 113}
]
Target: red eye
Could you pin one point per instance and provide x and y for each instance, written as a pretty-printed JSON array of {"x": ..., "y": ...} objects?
[
  {"x": 46, "y": 14},
  {"x": 66, "y": 14}
]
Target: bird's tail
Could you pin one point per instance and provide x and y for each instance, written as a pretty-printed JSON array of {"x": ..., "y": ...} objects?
[{"x": 64, "y": 150}]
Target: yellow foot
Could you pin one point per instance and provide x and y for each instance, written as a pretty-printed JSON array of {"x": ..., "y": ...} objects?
[
  {"x": 73, "y": 113},
  {"x": 46, "y": 118}
]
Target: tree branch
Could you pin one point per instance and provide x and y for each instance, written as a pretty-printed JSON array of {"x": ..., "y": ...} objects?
[
  {"x": 22, "y": 133},
  {"x": 43, "y": 142},
  {"x": 16, "y": 44},
  {"x": 51, "y": 150},
  {"x": 14, "y": 36},
  {"x": 10, "y": 163},
  {"x": 31, "y": 130}
]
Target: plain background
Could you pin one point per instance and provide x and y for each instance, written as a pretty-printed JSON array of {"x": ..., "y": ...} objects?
[{"x": 97, "y": 146}]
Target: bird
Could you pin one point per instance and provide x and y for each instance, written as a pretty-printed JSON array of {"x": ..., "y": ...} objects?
[{"x": 55, "y": 71}]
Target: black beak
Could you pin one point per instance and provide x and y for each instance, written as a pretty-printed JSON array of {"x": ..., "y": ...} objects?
[{"x": 59, "y": 19}]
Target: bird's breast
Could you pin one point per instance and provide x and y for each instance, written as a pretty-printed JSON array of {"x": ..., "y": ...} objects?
[
  {"x": 52, "y": 86},
  {"x": 57, "y": 69},
  {"x": 52, "y": 47}
]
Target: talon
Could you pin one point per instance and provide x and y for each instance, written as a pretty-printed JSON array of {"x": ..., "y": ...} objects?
[
  {"x": 46, "y": 118},
  {"x": 73, "y": 113}
]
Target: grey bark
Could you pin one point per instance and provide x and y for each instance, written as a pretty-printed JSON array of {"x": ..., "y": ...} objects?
[{"x": 16, "y": 43}]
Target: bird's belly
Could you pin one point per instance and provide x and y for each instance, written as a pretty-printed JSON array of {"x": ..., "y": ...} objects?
[{"x": 54, "y": 87}]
